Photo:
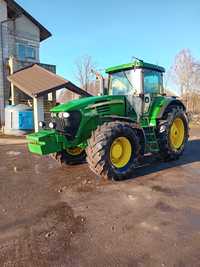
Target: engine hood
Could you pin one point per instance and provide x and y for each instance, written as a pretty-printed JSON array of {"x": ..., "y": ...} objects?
[{"x": 85, "y": 102}]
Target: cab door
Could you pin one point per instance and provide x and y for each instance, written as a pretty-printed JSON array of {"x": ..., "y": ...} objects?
[{"x": 152, "y": 87}]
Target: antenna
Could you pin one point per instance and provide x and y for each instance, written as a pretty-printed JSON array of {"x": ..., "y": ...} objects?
[{"x": 137, "y": 59}]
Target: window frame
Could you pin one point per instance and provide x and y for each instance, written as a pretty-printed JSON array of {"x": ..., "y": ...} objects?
[
  {"x": 160, "y": 91},
  {"x": 33, "y": 50},
  {"x": 134, "y": 83},
  {"x": 26, "y": 53}
]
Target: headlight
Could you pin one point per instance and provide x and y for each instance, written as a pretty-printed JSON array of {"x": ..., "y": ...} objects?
[
  {"x": 42, "y": 124},
  {"x": 66, "y": 115},
  {"x": 162, "y": 128},
  {"x": 60, "y": 115},
  {"x": 52, "y": 125},
  {"x": 53, "y": 115},
  {"x": 63, "y": 115}
]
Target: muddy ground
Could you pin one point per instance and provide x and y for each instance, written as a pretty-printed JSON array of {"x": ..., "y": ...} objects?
[{"x": 65, "y": 216}]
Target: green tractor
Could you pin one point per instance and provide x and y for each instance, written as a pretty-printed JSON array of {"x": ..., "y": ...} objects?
[{"x": 114, "y": 131}]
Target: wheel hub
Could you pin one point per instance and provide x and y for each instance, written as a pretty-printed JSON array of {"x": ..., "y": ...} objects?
[
  {"x": 177, "y": 133},
  {"x": 74, "y": 151},
  {"x": 120, "y": 152},
  {"x": 117, "y": 150}
]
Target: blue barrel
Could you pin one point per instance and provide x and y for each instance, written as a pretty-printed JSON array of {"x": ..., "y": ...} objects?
[
  {"x": 26, "y": 120},
  {"x": 18, "y": 119}
]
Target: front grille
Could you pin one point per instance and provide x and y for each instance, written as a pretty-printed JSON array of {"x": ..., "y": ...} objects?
[
  {"x": 68, "y": 126},
  {"x": 103, "y": 109}
]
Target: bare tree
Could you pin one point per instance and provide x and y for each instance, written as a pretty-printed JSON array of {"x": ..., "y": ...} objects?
[
  {"x": 185, "y": 72},
  {"x": 84, "y": 65}
]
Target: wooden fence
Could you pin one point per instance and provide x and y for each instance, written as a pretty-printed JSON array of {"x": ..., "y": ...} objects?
[{"x": 192, "y": 102}]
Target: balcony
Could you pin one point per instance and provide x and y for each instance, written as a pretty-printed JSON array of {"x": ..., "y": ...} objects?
[{"x": 16, "y": 65}]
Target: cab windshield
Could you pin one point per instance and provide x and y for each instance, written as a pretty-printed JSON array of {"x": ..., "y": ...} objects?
[{"x": 123, "y": 83}]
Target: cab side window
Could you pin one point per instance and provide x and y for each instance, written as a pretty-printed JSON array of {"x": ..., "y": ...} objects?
[{"x": 152, "y": 82}]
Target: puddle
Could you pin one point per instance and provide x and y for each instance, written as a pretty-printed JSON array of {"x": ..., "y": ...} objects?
[
  {"x": 166, "y": 190},
  {"x": 36, "y": 168},
  {"x": 193, "y": 218},
  {"x": 13, "y": 153},
  {"x": 131, "y": 197},
  {"x": 164, "y": 207},
  {"x": 149, "y": 226}
]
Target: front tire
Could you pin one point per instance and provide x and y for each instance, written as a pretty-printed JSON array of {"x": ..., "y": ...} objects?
[
  {"x": 173, "y": 139},
  {"x": 113, "y": 150},
  {"x": 73, "y": 156}
]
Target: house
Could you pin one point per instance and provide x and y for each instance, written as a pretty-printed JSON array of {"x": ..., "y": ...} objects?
[
  {"x": 23, "y": 79},
  {"x": 94, "y": 88},
  {"x": 20, "y": 38},
  {"x": 66, "y": 95}
]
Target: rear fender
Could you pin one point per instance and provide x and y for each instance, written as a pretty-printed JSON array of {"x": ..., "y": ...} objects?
[{"x": 168, "y": 104}]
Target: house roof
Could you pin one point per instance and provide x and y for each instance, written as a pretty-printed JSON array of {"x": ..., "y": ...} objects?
[
  {"x": 36, "y": 81},
  {"x": 18, "y": 10}
]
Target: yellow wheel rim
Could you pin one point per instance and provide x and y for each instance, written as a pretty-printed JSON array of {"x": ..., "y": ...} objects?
[
  {"x": 120, "y": 152},
  {"x": 177, "y": 133},
  {"x": 74, "y": 151}
]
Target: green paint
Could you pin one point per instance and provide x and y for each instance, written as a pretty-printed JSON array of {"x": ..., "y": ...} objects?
[
  {"x": 45, "y": 142},
  {"x": 94, "y": 111},
  {"x": 157, "y": 104},
  {"x": 135, "y": 64}
]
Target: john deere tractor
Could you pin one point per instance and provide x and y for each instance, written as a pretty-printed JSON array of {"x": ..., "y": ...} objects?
[{"x": 115, "y": 130}]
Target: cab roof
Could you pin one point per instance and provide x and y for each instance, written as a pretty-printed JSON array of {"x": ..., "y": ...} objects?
[{"x": 135, "y": 64}]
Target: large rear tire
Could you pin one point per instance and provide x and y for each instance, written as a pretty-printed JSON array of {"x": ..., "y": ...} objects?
[
  {"x": 71, "y": 156},
  {"x": 113, "y": 150},
  {"x": 174, "y": 134}
]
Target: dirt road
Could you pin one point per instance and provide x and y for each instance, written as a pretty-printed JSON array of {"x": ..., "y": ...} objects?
[{"x": 52, "y": 216}]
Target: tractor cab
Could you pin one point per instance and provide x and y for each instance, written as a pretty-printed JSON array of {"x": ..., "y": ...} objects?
[{"x": 140, "y": 82}]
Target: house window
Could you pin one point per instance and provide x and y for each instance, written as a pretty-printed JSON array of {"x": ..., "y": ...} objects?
[
  {"x": 26, "y": 52},
  {"x": 30, "y": 52},
  {"x": 21, "y": 51}
]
